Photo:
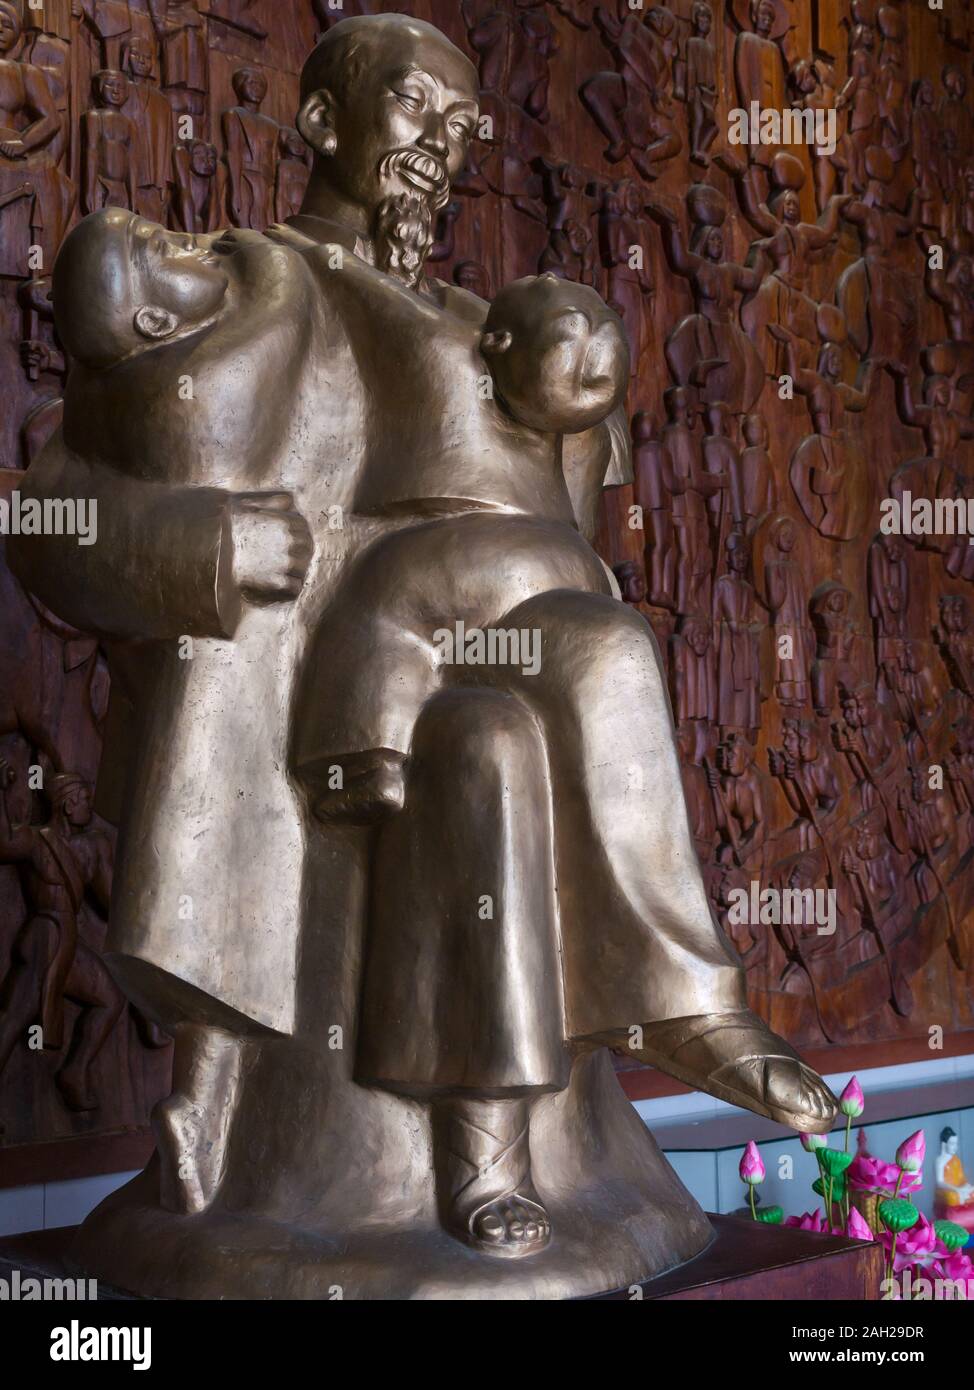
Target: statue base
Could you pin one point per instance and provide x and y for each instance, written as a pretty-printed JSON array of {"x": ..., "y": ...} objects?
[
  {"x": 619, "y": 1216},
  {"x": 744, "y": 1263}
]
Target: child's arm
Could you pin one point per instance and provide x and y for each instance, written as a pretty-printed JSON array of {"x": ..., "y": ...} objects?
[{"x": 596, "y": 458}]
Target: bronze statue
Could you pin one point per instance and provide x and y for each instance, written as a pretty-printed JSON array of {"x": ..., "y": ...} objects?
[{"x": 392, "y": 901}]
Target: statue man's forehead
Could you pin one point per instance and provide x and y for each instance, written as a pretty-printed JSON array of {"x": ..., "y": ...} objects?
[{"x": 399, "y": 53}]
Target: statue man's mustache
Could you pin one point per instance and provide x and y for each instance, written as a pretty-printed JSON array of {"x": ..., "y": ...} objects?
[{"x": 423, "y": 171}]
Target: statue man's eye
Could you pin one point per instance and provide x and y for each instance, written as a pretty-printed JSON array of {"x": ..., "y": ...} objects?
[
  {"x": 461, "y": 130},
  {"x": 409, "y": 101}
]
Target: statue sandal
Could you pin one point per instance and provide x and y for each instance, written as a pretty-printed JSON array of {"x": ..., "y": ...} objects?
[{"x": 735, "y": 1057}]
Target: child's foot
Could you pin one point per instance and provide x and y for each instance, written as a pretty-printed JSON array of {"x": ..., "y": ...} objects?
[{"x": 358, "y": 787}]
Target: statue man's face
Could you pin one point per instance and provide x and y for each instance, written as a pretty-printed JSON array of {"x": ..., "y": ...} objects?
[
  {"x": 9, "y": 30},
  {"x": 951, "y": 1144},
  {"x": 404, "y": 125}
]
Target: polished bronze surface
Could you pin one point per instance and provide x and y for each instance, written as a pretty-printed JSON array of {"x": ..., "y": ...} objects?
[{"x": 403, "y": 838}]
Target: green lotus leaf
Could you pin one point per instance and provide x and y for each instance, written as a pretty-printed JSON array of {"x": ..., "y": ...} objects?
[
  {"x": 837, "y": 1185},
  {"x": 834, "y": 1161},
  {"x": 773, "y": 1216},
  {"x": 952, "y": 1235},
  {"x": 897, "y": 1214}
]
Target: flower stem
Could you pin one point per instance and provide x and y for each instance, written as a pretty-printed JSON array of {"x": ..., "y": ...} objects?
[
  {"x": 750, "y": 1189},
  {"x": 892, "y": 1245}
]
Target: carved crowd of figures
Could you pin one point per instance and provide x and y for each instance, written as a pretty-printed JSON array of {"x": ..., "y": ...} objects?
[
  {"x": 817, "y": 663},
  {"x": 801, "y": 325}
]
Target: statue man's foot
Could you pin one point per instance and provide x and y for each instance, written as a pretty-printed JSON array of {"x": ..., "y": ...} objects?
[
  {"x": 483, "y": 1176},
  {"x": 513, "y": 1225},
  {"x": 736, "y": 1057}
]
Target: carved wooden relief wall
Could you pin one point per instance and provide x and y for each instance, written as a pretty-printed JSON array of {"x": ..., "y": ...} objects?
[{"x": 801, "y": 319}]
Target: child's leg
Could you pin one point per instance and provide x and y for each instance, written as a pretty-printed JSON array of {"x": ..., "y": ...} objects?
[{"x": 377, "y": 656}]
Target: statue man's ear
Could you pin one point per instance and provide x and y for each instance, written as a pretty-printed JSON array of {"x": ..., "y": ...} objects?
[
  {"x": 494, "y": 343},
  {"x": 154, "y": 322},
  {"x": 314, "y": 125}
]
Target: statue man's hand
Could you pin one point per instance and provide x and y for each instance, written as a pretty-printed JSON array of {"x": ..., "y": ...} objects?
[{"x": 272, "y": 546}]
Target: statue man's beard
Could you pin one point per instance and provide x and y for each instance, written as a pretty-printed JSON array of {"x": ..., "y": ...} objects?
[
  {"x": 417, "y": 170},
  {"x": 402, "y": 235}
]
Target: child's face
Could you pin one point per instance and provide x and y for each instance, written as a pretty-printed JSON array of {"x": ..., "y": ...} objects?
[
  {"x": 558, "y": 355},
  {"x": 123, "y": 284},
  {"x": 171, "y": 270}
]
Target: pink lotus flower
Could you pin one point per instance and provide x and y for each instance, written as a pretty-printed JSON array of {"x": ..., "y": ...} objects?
[
  {"x": 955, "y": 1266},
  {"x": 911, "y": 1152},
  {"x": 916, "y": 1247},
  {"x": 808, "y": 1221},
  {"x": 751, "y": 1167},
  {"x": 811, "y": 1142},
  {"x": 852, "y": 1102},
  {"x": 868, "y": 1174},
  {"x": 812, "y": 1221},
  {"x": 857, "y": 1228}
]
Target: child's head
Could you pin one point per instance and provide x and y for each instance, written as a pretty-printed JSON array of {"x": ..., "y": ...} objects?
[
  {"x": 122, "y": 284},
  {"x": 559, "y": 357}
]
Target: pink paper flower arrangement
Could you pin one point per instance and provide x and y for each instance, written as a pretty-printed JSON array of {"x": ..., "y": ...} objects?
[{"x": 917, "y": 1251}]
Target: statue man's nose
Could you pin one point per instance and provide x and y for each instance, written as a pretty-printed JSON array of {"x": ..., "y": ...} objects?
[{"x": 433, "y": 138}]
